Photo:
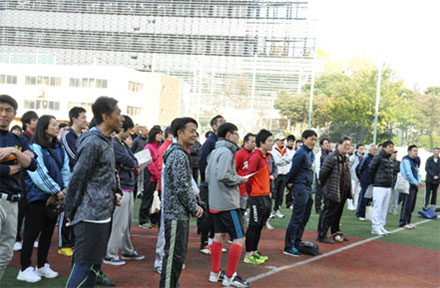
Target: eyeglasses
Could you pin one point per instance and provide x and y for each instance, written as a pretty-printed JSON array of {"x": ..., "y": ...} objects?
[{"x": 7, "y": 110}]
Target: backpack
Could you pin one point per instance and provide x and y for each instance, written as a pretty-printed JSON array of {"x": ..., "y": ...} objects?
[
  {"x": 309, "y": 248},
  {"x": 428, "y": 213}
]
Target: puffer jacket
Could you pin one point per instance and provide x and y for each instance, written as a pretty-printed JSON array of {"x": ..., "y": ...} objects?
[
  {"x": 92, "y": 186},
  {"x": 381, "y": 170},
  {"x": 331, "y": 176},
  {"x": 178, "y": 198}
]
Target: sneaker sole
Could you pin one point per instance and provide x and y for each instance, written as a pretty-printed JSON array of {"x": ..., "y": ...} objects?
[
  {"x": 48, "y": 277},
  {"x": 22, "y": 279},
  {"x": 290, "y": 254},
  {"x": 135, "y": 259},
  {"x": 113, "y": 263},
  {"x": 248, "y": 262}
]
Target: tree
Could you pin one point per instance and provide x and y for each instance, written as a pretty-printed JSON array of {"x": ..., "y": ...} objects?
[{"x": 428, "y": 106}]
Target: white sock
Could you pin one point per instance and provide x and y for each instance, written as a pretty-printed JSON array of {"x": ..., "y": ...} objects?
[{"x": 210, "y": 240}]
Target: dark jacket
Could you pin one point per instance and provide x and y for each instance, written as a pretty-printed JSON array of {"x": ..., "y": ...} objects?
[
  {"x": 207, "y": 147},
  {"x": 432, "y": 169},
  {"x": 52, "y": 174},
  {"x": 362, "y": 171},
  {"x": 396, "y": 171},
  {"x": 92, "y": 186},
  {"x": 335, "y": 176},
  {"x": 69, "y": 142},
  {"x": 9, "y": 184},
  {"x": 381, "y": 171},
  {"x": 126, "y": 163},
  {"x": 194, "y": 154},
  {"x": 139, "y": 143},
  {"x": 301, "y": 171},
  {"x": 178, "y": 196}
]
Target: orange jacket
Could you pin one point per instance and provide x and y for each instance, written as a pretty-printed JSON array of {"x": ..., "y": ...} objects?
[{"x": 259, "y": 184}]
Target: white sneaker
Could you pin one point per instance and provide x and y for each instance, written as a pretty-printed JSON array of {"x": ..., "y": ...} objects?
[
  {"x": 272, "y": 215},
  {"x": 384, "y": 230},
  {"x": 36, "y": 244},
  {"x": 279, "y": 214},
  {"x": 217, "y": 277},
  {"x": 377, "y": 232},
  {"x": 28, "y": 275},
  {"x": 268, "y": 226},
  {"x": 46, "y": 271},
  {"x": 17, "y": 246}
]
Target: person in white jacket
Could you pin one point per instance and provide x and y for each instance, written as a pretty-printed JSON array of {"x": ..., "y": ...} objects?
[
  {"x": 282, "y": 162},
  {"x": 354, "y": 161}
]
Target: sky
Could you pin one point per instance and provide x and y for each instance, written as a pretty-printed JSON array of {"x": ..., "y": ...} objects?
[{"x": 401, "y": 33}]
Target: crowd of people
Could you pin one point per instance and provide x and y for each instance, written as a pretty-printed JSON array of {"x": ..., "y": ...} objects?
[{"x": 86, "y": 178}]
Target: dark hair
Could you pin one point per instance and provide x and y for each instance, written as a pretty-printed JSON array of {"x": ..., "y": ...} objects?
[
  {"x": 225, "y": 128},
  {"x": 92, "y": 123},
  {"x": 359, "y": 146},
  {"x": 410, "y": 147},
  {"x": 153, "y": 132},
  {"x": 208, "y": 133},
  {"x": 180, "y": 124},
  {"x": 74, "y": 113},
  {"x": 435, "y": 148},
  {"x": 298, "y": 141},
  {"x": 343, "y": 139},
  {"x": 387, "y": 143},
  {"x": 308, "y": 133},
  {"x": 380, "y": 145},
  {"x": 103, "y": 105},
  {"x": 40, "y": 137},
  {"x": 291, "y": 138},
  {"x": 127, "y": 124},
  {"x": 168, "y": 132},
  {"x": 16, "y": 127},
  {"x": 62, "y": 125},
  {"x": 262, "y": 136},
  {"x": 11, "y": 101},
  {"x": 214, "y": 120},
  {"x": 321, "y": 142},
  {"x": 27, "y": 117},
  {"x": 247, "y": 136}
]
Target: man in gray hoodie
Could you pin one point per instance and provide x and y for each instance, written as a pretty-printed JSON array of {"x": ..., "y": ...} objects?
[
  {"x": 91, "y": 195},
  {"x": 224, "y": 204}
]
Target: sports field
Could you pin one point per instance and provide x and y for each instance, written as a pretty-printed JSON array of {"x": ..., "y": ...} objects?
[{"x": 406, "y": 258}]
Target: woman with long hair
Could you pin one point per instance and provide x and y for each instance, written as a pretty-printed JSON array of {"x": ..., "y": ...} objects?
[
  {"x": 50, "y": 178},
  {"x": 151, "y": 178}
]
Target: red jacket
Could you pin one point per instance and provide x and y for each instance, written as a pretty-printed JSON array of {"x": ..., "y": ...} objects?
[
  {"x": 241, "y": 164},
  {"x": 153, "y": 166},
  {"x": 259, "y": 184},
  {"x": 162, "y": 149}
]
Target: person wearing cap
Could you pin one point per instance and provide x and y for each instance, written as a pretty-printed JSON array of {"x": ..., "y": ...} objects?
[
  {"x": 394, "y": 192},
  {"x": 15, "y": 156},
  {"x": 282, "y": 162}
]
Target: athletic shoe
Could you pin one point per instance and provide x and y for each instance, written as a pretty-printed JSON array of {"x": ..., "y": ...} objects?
[
  {"x": 361, "y": 218},
  {"x": 268, "y": 226},
  {"x": 17, "y": 246},
  {"x": 384, "y": 230},
  {"x": 279, "y": 214},
  {"x": 272, "y": 215},
  {"x": 66, "y": 251},
  {"x": 206, "y": 250},
  {"x": 325, "y": 240},
  {"x": 140, "y": 195},
  {"x": 230, "y": 241},
  {"x": 234, "y": 281},
  {"x": 36, "y": 244},
  {"x": 28, "y": 275},
  {"x": 412, "y": 226},
  {"x": 407, "y": 226},
  {"x": 145, "y": 226},
  {"x": 132, "y": 256},
  {"x": 253, "y": 260},
  {"x": 292, "y": 252},
  {"x": 102, "y": 280},
  {"x": 46, "y": 271},
  {"x": 217, "y": 277},
  {"x": 113, "y": 261},
  {"x": 377, "y": 232},
  {"x": 157, "y": 270},
  {"x": 258, "y": 255},
  {"x": 224, "y": 250}
]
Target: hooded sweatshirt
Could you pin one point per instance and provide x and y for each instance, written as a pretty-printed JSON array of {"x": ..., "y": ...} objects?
[{"x": 222, "y": 177}]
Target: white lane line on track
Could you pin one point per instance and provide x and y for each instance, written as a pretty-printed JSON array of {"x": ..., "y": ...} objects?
[{"x": 316, "y": 258}]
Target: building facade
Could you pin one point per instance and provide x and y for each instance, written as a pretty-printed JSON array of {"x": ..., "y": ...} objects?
[
  {"x": 148, "y": 98},
  {"x": 233, "y": 55}
]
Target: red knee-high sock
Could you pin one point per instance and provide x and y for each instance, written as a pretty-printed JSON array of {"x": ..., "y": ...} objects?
[
  {"x": 216, "y": 256},
  {"x": 233, "y": 258}
]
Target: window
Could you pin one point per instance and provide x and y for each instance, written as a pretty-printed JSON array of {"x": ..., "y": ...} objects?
[
  {"x": 8, "y": 79},
  {"x": 134, "y": 111},
  {"x": 135, "y": 87},
  {"x": 87, "y": 83},
  {"x": 42, "y": 80},
  {"x": 41, "y": 105}
]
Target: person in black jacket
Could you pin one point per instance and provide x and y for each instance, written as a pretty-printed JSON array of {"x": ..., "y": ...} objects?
[
  {"x": 362, "y": 174},
  {"x": 394, "y": 202},
  {"x": 432, "y": 168},
  {"x": 194, "y": 158},
  {"x": 381, "y": 173}
]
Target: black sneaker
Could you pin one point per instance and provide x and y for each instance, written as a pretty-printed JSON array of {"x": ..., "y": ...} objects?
[
  {"x": 325, "y": 240},
  {"x": 102, "y": 280},
  {"x": 235, "y": 281}
]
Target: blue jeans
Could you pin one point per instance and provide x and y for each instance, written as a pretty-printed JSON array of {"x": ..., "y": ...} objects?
[
  {"x": 83, "y": 276},
  {"x": 302, "y": 206},
  {"x": 362, "y": 203}
]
